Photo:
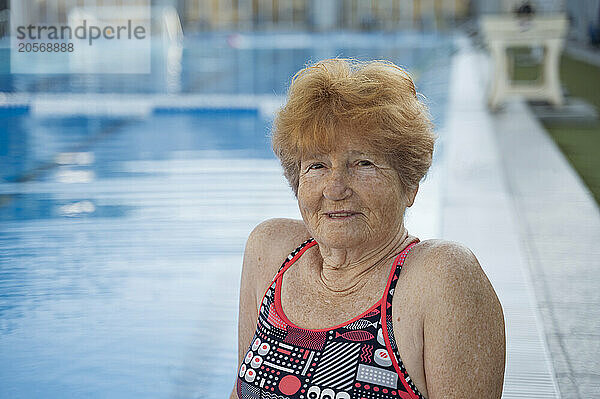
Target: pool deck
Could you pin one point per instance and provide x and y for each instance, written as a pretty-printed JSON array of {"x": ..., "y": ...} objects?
[{"x": 512, "y": 197}]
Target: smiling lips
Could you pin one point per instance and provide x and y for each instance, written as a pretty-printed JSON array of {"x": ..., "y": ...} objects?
[{"x": 341, "y": 214}]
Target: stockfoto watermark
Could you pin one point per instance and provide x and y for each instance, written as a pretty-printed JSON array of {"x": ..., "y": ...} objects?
[
  {"x": 104, "y": 39},
  {"x": 82, "y": 32}
]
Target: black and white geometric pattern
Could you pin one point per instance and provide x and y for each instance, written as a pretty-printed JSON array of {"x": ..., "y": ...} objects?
[
  {"x": 337, "y": 365},
  {"x": 248, "y": 391}
]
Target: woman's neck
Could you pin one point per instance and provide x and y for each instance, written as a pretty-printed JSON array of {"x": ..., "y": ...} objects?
[{"x": 345, "y": 271}]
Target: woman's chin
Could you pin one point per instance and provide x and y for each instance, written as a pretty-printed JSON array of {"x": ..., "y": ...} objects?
[{"x": 340, "y": 240}]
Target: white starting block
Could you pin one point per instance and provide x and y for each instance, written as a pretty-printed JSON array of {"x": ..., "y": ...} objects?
[{"x": 505, "y": 31}]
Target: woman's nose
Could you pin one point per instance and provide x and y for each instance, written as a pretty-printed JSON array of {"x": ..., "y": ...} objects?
[{"x": 336, "y": 187}]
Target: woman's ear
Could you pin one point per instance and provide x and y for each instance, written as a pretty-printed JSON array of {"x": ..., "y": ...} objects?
[{"x": 411, "y": 196}]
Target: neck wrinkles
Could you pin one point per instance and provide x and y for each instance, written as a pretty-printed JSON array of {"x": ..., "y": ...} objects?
[{"x": 346, "y": 271}]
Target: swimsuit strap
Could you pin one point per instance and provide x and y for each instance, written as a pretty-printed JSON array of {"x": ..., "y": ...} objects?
[
  {"x": 387, "y": 324},
  {"x": 294, "y": 255}
]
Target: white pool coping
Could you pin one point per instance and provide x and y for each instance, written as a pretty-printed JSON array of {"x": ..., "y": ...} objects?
[{"x": 478, "y": 211}]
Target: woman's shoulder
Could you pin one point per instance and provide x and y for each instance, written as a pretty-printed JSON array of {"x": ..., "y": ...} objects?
[
  {"x": 278, "y": 237},
  {"x": 458, "y": 305},
  {"x": 442, "y": 256},
  {"x": 448, "y": 266},
  {"x": 269, "y": 244}
]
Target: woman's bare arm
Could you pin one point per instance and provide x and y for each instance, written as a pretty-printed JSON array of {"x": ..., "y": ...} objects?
[
  {"x": 464, "y": 342},
  {"x": 267, "y": 246},
  {"x": 248, "y": 311}
]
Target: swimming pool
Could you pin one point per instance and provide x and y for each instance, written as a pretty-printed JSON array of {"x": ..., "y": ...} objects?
[{"x": 122, "y": 226}]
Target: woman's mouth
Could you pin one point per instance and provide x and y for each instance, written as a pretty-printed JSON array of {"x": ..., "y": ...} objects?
[{"x": 341, "y": 214}]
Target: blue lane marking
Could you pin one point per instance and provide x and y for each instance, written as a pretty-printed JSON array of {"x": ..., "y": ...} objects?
[
  {"x": 206, "y": 111},
  {"x": 12, "y": 110}
]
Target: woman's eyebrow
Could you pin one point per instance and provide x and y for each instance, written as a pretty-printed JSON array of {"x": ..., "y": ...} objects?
[
  {"x": 313, "y": 156},
  {"x": 362, "y": 154}
]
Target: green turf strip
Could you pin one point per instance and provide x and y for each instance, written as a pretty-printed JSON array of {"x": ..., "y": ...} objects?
[{"x": 581, "y": 144}]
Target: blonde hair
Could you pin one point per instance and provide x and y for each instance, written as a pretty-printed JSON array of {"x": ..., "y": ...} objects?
[{"x": 375, "y": 102}]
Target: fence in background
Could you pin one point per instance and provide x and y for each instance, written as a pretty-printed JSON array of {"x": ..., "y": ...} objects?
[
  {"x": 57, "y": 11},
  {"x": 208, "y": 15},
  {"x": 199, "y": 15}
]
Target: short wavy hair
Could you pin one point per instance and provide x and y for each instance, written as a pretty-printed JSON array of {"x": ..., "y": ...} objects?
[{"x": 375, "y": 102}]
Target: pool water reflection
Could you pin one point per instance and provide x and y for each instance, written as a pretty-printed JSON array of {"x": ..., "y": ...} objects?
[{"x": 121, "y": 238}]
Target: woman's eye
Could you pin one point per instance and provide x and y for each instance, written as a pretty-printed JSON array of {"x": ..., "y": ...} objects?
[{"x": 365, "y": 163}]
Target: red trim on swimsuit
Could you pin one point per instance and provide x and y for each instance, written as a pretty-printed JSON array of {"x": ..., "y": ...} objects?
[{"x": 401, "y": 372}]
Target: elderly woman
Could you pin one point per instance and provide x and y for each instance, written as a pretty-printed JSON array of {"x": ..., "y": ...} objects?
[{"x": 359, "y": 308}]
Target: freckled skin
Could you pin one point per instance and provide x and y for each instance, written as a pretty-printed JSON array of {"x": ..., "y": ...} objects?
[
  {"x": 354, "y": 180},
  {"x": 447, "y": 320}
]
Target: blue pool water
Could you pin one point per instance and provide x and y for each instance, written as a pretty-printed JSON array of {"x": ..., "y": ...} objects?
[{"x": 121, "y": 237}]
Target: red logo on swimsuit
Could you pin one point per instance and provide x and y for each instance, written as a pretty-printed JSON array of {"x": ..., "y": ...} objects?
[{"x": 356, "y": 336}]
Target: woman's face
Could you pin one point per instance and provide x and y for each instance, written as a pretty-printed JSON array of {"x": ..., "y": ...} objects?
[{"x": 350, "y": 197}]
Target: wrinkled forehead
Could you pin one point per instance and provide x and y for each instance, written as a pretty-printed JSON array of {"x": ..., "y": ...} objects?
[
  {"x": 337, "y": 138},
  {"x": 344, "y": 152}
]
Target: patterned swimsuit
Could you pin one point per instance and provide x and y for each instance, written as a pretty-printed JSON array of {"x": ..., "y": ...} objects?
[{"x": 357, "y": 359}]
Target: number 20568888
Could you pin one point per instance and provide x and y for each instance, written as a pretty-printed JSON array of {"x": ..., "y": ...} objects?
[{"x": 45, "y": 47}]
